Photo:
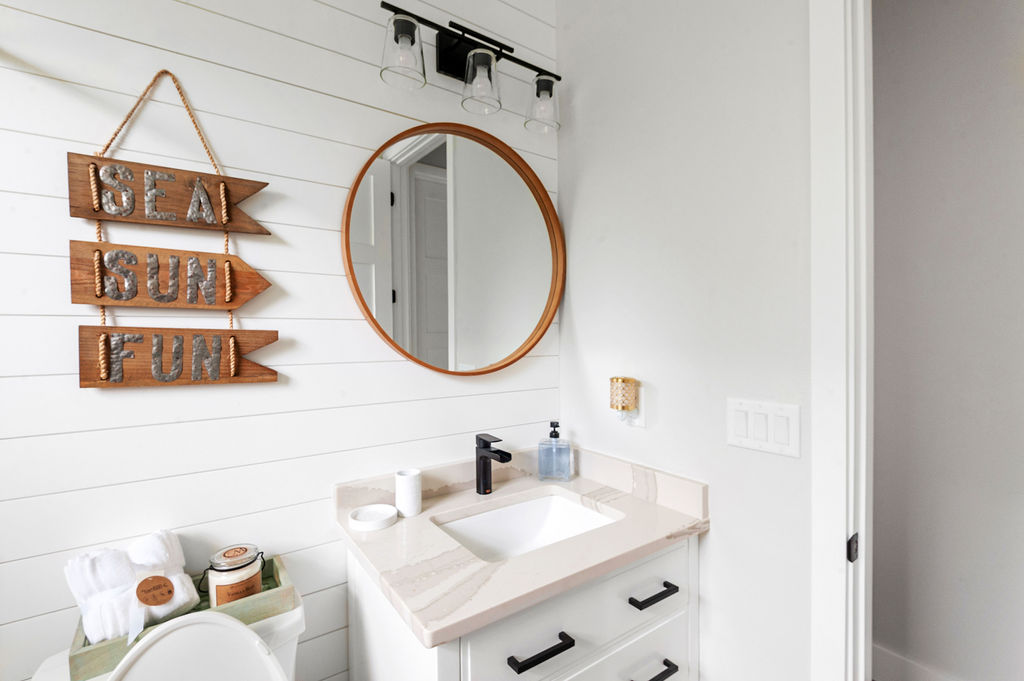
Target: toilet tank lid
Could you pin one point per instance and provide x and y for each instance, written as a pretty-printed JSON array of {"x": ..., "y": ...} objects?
[
  {"x": 275, "y": 631},
  {"x": 202, "y": 646}
]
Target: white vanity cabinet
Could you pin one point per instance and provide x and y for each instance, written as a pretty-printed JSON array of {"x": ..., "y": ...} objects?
[{"x": 638, "y": 623}]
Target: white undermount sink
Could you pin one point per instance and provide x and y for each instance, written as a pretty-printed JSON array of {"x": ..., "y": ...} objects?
[{"x": 525, "y": 526}]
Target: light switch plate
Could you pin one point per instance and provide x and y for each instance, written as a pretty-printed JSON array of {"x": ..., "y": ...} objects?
[{"x": 764, "y": 426}]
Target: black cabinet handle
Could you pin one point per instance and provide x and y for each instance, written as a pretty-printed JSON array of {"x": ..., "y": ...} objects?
[
  {"x": 670, "y": 669},
  {"x": 670, "y": 589},
  {"x": 519, "y": 667}
]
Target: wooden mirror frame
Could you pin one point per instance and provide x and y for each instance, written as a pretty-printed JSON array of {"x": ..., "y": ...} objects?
[{"x": 547, "y": 209}]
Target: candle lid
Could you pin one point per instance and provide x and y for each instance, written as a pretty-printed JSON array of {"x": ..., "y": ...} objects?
[{"x": 234, "y": 556}]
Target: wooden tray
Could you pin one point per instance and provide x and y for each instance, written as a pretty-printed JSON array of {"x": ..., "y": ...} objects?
[{"x": 278, "y": 596}]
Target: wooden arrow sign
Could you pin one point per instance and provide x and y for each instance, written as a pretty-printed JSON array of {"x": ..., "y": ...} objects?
[
  {"x": 138, "y": 356},
  {"x": 139, "y": 276},
  {"x": 107, "y": 189}
]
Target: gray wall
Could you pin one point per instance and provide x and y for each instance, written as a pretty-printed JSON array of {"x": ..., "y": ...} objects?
[
  {"x": 949, "y": 297},
  {"x": 683, "y": 168}
]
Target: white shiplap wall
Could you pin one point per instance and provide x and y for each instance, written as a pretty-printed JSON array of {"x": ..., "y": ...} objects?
[{"x": 288, "y": 93}]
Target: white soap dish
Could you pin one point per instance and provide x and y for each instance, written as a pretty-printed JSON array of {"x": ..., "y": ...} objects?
[{"x": 372, "y": 517}]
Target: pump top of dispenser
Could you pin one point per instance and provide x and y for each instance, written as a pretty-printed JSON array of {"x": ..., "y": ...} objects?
[{"x": 554, "y": 430}]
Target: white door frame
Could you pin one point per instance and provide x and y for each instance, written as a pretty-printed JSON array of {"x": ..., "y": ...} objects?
[
  {"x": 415, "y": 175},
  {"x": 841, "y": 336},
  {"x": 403, "y": 157}
]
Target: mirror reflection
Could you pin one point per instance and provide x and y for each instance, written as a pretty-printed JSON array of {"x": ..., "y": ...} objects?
[{"x": 450, "y": 251}]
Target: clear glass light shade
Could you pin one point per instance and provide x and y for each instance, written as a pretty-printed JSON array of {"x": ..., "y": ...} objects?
[
  {"x": 543, "y": 113},
  {"x": 480, "y": 92},
  {"x": 401, "y": 65}
]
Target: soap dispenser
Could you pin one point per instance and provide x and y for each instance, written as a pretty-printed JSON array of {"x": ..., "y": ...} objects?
[{"x": 554, "y": 457}]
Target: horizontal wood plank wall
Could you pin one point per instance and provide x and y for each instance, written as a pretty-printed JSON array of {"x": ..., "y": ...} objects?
[{"x": 288, "y": 93}]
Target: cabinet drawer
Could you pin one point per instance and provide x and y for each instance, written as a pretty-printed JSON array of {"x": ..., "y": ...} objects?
[
  {"x": 661, "y": 653},
  {"x": 592, "y": 617}
]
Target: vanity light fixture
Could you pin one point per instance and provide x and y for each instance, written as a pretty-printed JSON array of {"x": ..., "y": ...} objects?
[
  {"x": 543, "y": 114},
  {"x": 401, "y": 65},
  {"x": 625, "y": 394},
  {"x": 480, "y": 90},
  {"x": 469, "y": 56}
]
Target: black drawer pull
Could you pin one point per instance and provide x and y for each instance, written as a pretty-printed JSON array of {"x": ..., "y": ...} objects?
[
  {"x": 543, "y": 656},
  {"x": 670, "y": 589},
  {"x": 670, "y": 669}
]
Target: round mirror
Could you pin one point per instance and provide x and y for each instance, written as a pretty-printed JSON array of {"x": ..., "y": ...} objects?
[{"x": 453, "y": 249}]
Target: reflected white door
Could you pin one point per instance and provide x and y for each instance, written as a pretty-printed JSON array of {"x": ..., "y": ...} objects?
[
  {"x": 430, "y": 256},
  {"x": 370, "y": 242}
]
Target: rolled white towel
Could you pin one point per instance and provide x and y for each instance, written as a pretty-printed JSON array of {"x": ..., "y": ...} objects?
[
  {"x": 158, "y": 551},
  {"x": 106, "y": 616},
  {"x": 161, "y": 552},
  {"x": 184, "y": 599},
  {"x": 95, "y": 572}
]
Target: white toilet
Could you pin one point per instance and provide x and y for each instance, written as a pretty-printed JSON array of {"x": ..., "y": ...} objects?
[{"x": 204, "y": 646}]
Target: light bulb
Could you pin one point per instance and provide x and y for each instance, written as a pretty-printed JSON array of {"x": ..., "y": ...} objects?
[
  {"x": 481, "y": 83},
  {"x": 543, "y": 108},
  {"x": 405, "y": 54}
]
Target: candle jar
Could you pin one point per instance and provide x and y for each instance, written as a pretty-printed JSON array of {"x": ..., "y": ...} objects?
[{"x": 235, "y": 572}]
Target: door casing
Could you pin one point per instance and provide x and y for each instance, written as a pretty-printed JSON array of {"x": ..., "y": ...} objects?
[{"x": 841, "y": 336}]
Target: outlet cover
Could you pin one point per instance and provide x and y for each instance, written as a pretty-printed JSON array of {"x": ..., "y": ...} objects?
[{"x": 764, "y": 426}]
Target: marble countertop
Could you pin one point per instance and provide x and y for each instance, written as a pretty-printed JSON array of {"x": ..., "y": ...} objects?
[{"x": 443, "y": 591}]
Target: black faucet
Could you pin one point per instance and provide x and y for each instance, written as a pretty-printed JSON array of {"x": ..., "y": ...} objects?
[{"x": 484, "y": 454}]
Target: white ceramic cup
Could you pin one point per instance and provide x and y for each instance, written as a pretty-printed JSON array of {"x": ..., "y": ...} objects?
[{"x": 408, "y": 491}]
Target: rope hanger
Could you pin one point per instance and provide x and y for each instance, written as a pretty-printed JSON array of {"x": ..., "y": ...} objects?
[{"x": 225, "y": 218}]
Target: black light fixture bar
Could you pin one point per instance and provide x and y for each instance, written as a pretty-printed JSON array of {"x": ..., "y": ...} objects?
[
  {"x": 465, "y": 30},
  {"x": 454, "y": 45}
]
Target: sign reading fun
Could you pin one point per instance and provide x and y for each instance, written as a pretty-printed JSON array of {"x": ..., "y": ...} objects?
[{"x": 140, "y": 356}]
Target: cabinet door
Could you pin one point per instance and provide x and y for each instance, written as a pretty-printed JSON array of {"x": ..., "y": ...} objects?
[
  {"x": 380, "y": 645},
  {"x": 594, "y": 617},
  {"x": 661, "y": 654}
]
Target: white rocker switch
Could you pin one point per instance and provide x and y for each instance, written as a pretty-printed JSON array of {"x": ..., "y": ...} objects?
[{"x": 764, "y": 426}]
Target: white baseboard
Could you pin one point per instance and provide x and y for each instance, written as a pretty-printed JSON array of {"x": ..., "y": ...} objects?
[{"x": 889, "y": 666}]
